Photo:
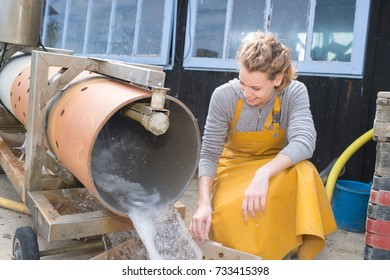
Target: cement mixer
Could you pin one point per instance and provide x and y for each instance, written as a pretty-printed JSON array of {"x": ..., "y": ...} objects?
[
  {"x": 97, "y": 125},
  {"x": 101, "y": 125},
  {"x": 82, "y": 119}
]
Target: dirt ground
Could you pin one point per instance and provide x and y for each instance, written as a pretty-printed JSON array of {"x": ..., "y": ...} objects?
[{"x": 341, "y": 245}]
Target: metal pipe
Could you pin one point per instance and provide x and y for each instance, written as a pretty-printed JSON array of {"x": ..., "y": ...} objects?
[{"x": 155, "y": 121}]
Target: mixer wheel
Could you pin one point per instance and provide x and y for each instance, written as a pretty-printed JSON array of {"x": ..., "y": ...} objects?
[{"x": 25, "y": 245}]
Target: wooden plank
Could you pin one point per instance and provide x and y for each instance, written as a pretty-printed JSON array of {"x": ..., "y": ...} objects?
[
  {"x": 65, "y": 78},
  {"x": 136, "y": 73},
  {"x": 211, "y": 251},
  {"x": 87, "y": 224},
  {"x": 216, "y": 251},
  {"x": 132, "y": 249},
  {"x": 36, "y": 123},
  {"x": 54, "y": 225},
  {"x": 13, "y": 168}
]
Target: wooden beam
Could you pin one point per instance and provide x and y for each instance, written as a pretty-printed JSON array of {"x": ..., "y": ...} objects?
[{"x": 13, "y": 168}]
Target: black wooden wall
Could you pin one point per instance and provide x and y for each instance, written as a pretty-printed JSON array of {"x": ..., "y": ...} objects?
[{"x": 343, "y": 109}]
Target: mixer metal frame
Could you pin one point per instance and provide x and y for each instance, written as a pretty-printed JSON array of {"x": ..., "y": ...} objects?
[
  {"x": 28, "y": 180},
  {"x": 81, "y": 224}
]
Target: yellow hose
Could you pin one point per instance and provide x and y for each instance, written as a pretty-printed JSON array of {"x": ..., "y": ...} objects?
[
  {"x": 342, "y": 160},
  {"x": 13, "y": 205}
]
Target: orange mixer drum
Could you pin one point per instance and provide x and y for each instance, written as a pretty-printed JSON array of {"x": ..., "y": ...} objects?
[{"x": 109, "y": 153}]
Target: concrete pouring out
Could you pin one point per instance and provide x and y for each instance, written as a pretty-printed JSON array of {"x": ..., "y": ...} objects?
[{"x": 158, "y": 224}]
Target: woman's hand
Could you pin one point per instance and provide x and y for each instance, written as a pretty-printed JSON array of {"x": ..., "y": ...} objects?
[
  {"x": 255, "y": 195},
  {"x": 201, "y": 222}
]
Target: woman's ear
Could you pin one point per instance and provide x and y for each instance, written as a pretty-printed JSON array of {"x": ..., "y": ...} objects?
[{"x": 278, "y": 80}]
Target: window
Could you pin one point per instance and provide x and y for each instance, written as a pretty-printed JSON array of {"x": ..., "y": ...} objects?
[
  {"x": 138, "y": 31},
  {"x": 326, "y": 37}
]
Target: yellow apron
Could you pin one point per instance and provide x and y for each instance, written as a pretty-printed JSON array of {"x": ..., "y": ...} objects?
[{"x": 298, "y": 212}]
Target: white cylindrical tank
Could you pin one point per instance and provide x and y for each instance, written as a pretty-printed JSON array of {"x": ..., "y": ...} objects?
[{"x": 8, "y": 74}]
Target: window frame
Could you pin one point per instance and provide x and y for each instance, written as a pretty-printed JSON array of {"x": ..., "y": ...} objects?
[
  {"x": 205, "y": 63},
  {"x": 168, "y": 42},
  {"x": 308, "y": 67}
]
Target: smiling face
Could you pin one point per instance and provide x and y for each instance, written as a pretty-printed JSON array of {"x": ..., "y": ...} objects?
[{"x": 256, "y": 87}]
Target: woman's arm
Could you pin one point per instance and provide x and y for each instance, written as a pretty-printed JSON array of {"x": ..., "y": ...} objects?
[
  {"x": 201, "y": 221},
  {"x": 214, "y": 136},
  {"x": 298, "y": 121},
  {"x": 256, "y": 194}
]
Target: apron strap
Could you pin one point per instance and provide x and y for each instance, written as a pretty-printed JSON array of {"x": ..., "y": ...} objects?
[
  {"x": 237, "y": 113},
  {"x": 274, "y": 116}
]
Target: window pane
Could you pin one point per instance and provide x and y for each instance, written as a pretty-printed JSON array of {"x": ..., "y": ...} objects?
[
  {"x": 253, "y": 13},
  {"x": 75, "y": 28},
  {"x": 98, "y": 25},
  {"x": 55, "y": 23},
  {"x": 333, "y": 30},
  {"x": 124, "y": 27},
  {"x": 289, "y": 22},
  {"x": 209, "y": 28},
  {"x": 151, "y": 29}
]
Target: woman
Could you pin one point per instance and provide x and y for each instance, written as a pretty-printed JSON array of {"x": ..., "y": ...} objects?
[{"x": 267, "y": 198}]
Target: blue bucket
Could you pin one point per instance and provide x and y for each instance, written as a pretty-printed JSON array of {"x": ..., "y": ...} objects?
[{"x": 349, "y": 204}]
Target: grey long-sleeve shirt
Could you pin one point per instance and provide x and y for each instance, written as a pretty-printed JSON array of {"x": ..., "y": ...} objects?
[{"x": 296, "y": 119}]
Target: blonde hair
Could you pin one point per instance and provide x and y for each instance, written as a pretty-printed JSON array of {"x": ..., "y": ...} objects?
[{"x": 264, "y": 53}]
